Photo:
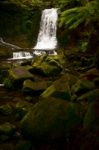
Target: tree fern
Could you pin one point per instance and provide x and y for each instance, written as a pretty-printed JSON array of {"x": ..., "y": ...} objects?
[{"x": 75, "y": 16}]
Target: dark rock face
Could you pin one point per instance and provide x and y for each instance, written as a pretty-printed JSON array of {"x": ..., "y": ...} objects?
[
  {"x": 23, "y": 19},
  {"x": 51, "y": 119},
  {"x": 61, "y": 88},
  {"x": 35, "y": 88}
]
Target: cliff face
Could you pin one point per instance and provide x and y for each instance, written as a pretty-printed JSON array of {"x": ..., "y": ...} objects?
[{"x": 19, "y": 23}]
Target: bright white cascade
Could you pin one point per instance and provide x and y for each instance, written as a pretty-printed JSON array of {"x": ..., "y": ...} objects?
[
  {"x": 47, "y": 35},
  {"x": 21, "y": 55}
]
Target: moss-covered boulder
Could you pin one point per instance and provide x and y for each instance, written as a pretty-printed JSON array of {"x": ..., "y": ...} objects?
[
  {"x": 7, "y": 130},
  {"x": 51, "y": 119},
  {"x": 61, "y": 88},
  {"x": 6, "y": 109},
  {"x": 36, "y": 88},
  {"x": 16, "y": 77},
  {"x": 91, "y": 74},
  {"x": 23, "y": 145},
  {"x": 47, "y": 65},
  {"x": 82, "y": 86},
  {"x": 91, "y": 120},
  {"x": 90, "y": 96},
  {"x": 21, "y": 109}
]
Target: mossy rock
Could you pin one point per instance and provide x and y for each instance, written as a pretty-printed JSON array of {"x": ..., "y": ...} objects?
[
  {"x": 21, "y": 109},
  {"x": 90, "y": 96},
  {"x": 96, "y": 81},
  {"x": 7, "y": 129},
  {"x": 82, "y": 86},
  {"x": 48, "y": 65},
  {"x": 36, "y": 87},
  {"x": 91, "y": 74},
  {"x": 16, "y": 77},
  {"x": 91, "y": 120},
  {"x": 51, "y": 119},
  {"x": 23, "y": 145},
  {"x": 61, "y": 88},
  {"x": 6, "y": 109}
]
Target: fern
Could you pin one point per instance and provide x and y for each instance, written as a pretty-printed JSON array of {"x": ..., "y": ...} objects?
[{"x": 75, "y": 16}]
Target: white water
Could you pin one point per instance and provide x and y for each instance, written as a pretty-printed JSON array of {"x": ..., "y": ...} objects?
[
  {"x": 47, "y": 35},
  {"x": 21, "y": 55}
]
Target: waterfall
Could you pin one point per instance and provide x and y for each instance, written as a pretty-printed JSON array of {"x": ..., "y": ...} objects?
[
  {"x": 47, "y": 35},
  {"x": 21, "y": 55}
]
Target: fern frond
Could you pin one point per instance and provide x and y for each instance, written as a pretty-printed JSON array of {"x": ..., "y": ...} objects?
[{"x": 75, "y": 16}]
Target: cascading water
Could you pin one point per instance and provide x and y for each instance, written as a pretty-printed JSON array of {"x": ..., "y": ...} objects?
[
  {"x": 47, "y": 35},
  {"x": 21, "y": 55},
  {"x": 46, "y": 42}
]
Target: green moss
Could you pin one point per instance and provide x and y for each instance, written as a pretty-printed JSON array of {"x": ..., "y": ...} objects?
[{"x": 50, "y": 119}]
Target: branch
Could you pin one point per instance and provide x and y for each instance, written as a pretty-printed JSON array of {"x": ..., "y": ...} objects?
[{"x": 8, "y": 45}]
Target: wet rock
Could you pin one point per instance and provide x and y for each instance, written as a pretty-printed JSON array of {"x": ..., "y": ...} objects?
[
  {"x": 82, "y": 86},
  {"x": 6, "y": 109},
  {"x": 36, "y": 88},
  {"x": 91, "y": 120},
  {"x": 21, "y": 109},
  {"x": 51, "y": 119},
  {"x": 90, "y": 96},
  {"x": 16, "y": 77},
  {"x": 61, "y": 88},
  {"x": 7, "y": 130},
  {"x": 91, "y": 74},
  {"x": 96, "y": 81},
  {"x": 24, "y": 145},
  {"x": 47, "y": 65}
]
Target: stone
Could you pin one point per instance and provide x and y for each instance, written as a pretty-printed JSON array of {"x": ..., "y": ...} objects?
[
  {"x": 34, "y": 87},
  {"x": 7, "y": 129},
  {"x": 51, "y": 119},
  {"x": 91, "y": 74},
  {"x": 21, "y": 109},
  {"x": 91, "y": 119},
  {"x": 16, "y": 77},
  {"x": 23, "y": 145},
  {"x": 47, "y": 65},
  {"x": 61, "y": 88},
  {"x": 6, "y": 109},
  {"x": 90, "y": 96},
  {"x": 82, "y": 86}
]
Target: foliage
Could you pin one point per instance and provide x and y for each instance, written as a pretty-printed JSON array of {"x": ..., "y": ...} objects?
[{"x": 86, "y": 13}]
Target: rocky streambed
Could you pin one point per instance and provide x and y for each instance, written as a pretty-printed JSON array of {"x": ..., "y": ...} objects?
[{"x": 44, "y": 106}]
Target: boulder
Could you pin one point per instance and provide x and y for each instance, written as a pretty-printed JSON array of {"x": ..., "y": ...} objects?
[
  {"x": 91, "y": 119},
  {"x": 91, "y": 74},
  {"x": 51, "y": 119},
  {"x": 61, "y": 88},
  {"x": 34, "y": 87},
  {"x": 6, "y": 109},
  {"x": 21, "y": 109},
  {"x": 7, "y": 130},
  {"x": 47, "y": 65},
  {"x": 16, "y": 76},
  {"x": 24, "y": 145},
  {"x": 90, "y": 96},
  {"x": 82, "y": 86}
]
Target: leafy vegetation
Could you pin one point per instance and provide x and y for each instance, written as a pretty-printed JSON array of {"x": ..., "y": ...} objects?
[{"x": 87, "y": 13}]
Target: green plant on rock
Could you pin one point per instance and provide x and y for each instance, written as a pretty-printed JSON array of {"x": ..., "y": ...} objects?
[{"x": 7, "y": 83}]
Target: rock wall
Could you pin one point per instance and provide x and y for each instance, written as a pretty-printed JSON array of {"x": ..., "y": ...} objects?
[{"x": 19, "y": 23}]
